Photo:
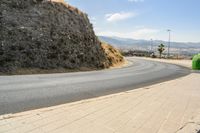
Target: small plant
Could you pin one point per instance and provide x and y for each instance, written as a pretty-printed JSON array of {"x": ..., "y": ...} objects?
[{"x": 161, "y": 49}]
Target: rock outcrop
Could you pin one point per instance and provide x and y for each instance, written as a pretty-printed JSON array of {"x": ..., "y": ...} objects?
[{"x": 47, "y": 34}]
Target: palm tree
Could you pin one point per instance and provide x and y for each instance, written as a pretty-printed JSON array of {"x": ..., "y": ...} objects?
[{"x": 161, "y": 49}]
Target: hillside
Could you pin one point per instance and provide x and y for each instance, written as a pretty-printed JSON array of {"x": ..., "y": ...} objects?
[
  {"x": 113, "y": 55},
  {"x": 44, "y": 34}
]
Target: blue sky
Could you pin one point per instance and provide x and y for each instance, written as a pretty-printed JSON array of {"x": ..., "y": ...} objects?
[{"x": 144, "y": 19}]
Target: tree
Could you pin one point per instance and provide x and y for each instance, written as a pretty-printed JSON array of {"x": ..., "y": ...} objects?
[{"x": 161, "y": 49}]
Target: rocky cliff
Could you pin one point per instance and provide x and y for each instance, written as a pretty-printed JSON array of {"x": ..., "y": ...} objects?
[{"x": 47, "y": 35}]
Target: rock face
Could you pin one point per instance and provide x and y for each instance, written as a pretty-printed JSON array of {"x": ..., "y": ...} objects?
[{"x": 47, "y": 35}]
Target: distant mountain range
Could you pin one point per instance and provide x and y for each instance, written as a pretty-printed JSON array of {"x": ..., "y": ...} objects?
[{"x": 176, "y": 47}]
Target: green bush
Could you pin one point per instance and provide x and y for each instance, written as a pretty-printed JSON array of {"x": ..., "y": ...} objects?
[{"x": 196, "y": 62}]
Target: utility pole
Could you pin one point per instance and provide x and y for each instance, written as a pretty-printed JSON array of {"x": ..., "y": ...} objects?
[
  {"x": 151, "y": 45},
  {"x": 168, "y": 52}
]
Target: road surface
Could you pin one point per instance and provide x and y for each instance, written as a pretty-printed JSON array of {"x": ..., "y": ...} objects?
[{"x": 21, "y": 93}]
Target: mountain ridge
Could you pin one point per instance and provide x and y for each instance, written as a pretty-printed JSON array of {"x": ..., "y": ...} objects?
[{"x": 127, "y": 43}]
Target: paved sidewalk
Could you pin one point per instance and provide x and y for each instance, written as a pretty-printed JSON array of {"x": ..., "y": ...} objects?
[{"x": 169, "y": 107}]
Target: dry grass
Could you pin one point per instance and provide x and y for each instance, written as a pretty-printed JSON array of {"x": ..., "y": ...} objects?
[{"x": 114, "y": 56}]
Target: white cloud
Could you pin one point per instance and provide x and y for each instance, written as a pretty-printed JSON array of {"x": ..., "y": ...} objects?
[
  {"x": 144, "y": 33},
  {"x": 136, "y": 0},
  {"x": 119, "y": 16}
]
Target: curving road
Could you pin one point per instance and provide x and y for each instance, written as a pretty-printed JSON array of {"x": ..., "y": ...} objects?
[{"x": 20, "y": 93}]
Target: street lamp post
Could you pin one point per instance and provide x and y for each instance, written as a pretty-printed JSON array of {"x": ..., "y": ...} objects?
[
  {"x": 151, "y": 45},
  {"x": 168, "y": 52}
]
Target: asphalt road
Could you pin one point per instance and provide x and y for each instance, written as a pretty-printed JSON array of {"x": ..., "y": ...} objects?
[{"x": 21, "y": 93}]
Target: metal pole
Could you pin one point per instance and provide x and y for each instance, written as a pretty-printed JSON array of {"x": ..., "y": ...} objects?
[
  {"x": 168, "y": 53},
  {"x": 151, "y": 45}
]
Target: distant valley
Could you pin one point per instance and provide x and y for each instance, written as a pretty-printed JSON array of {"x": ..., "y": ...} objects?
[{"x": 183, "y": 48}]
